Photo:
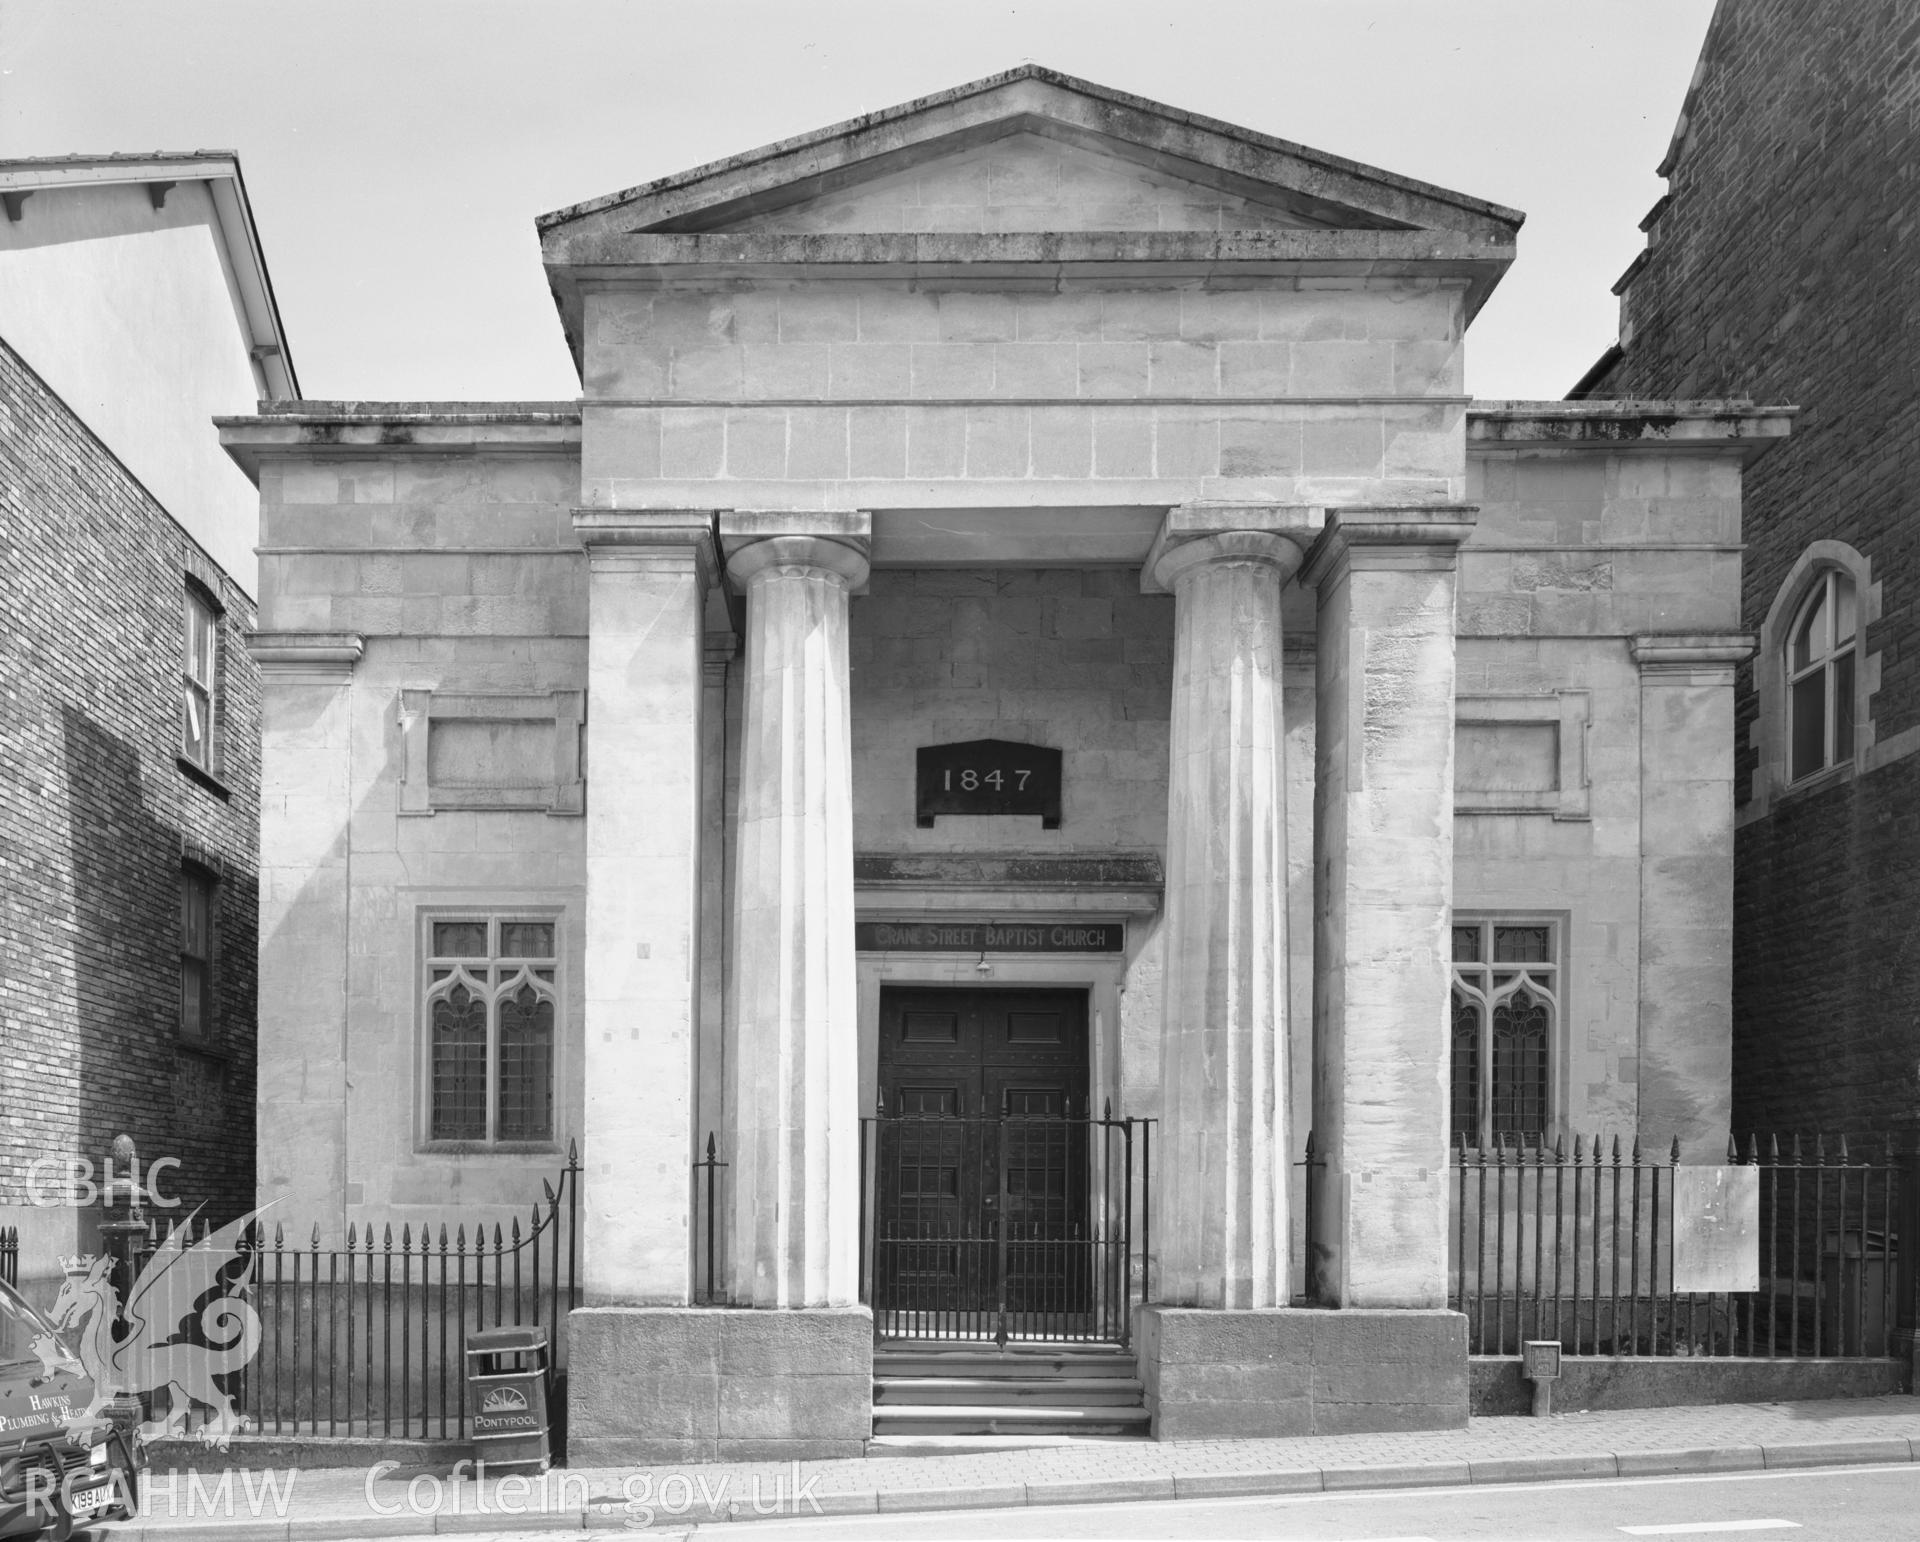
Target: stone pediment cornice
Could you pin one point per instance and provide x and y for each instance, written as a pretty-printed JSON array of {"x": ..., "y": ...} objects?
[
  {"x": 1326, "y": 189},
  {"x": 1285, "y": 211}
]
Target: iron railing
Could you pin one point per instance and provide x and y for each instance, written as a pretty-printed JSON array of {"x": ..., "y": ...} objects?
[
  {"x": 1002, "y": 1227},
  {"x": 10, "y": 1255},
  {"x": 1577, "y": 1248},
  {"x": 1301, "y": 1199},
  {"x": 706, "y": 1287},
  {"x": 369, "y": 1338},
  {"x": 707, "y": 1204}
]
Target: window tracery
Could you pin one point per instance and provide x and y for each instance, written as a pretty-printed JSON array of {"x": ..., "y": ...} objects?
[
  {"x": 1505, "y": 1014},
  {"x": 491, "y": 1005}
]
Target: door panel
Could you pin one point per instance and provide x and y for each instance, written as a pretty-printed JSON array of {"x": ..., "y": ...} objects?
[{"x": 1010, "y": 1068}]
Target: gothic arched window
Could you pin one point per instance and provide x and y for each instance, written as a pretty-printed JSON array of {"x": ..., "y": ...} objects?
[
  {"x": 1820, "y": 672},
  {"x": 490, "y": 1010},
  {"x": 1505, "y": 1022}
]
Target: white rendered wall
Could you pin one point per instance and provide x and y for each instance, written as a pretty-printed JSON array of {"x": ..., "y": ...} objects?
[{"x": 130, "y": 314}]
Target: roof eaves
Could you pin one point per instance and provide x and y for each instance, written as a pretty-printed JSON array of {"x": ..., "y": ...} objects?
[{"x": 240, "y": 235}]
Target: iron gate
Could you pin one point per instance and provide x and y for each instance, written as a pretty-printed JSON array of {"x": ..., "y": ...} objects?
[{"x": 994, "y": 1227}]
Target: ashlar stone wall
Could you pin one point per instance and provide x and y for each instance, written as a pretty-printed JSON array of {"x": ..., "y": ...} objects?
[
  {"x": 1578, "y": 550},
  {"x": 1078, "y": 659},
  {"x": 461, "y": 574},
  {"x": 878, "y": 395}
]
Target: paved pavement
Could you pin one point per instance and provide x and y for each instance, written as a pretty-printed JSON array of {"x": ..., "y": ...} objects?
[{"x": 311, "y": 1505}]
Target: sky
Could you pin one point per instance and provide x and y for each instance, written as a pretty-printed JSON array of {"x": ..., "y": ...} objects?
[{"x": 396, "y": 152}]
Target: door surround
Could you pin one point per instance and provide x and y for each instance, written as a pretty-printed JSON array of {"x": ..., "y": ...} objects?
[{"x": 1100, "y": 974}]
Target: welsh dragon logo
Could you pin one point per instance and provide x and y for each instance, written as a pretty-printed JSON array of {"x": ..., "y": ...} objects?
[{"x": 207, "y": 1281}]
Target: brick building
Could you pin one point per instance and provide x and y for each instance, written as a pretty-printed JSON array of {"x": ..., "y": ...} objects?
[
  {"x": 1783, "y": 264},
  {"x": 1023, "y": 617},
  {"x": 133, "y": 306}
]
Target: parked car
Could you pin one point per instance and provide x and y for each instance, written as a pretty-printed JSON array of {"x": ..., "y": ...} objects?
[{"x": 66, "y": 1464}]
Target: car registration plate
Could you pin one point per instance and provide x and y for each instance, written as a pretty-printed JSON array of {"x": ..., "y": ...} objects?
[{"x": 87, "y": 1500}]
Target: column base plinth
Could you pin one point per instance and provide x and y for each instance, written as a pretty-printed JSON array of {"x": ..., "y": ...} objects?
[
  {"x": 687, "y": 1384},
  {"x": 1247, "y": 1375}
]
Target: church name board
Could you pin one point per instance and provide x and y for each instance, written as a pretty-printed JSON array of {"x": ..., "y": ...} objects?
[
  {"x": 987, "y": 776},
  {"x": 989, "y": 937}
]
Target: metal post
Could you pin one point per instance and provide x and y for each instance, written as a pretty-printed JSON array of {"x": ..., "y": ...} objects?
[
  {"x": 1906, "y": 1334},
  {"x": 1000, "y": 1223},
  {"x": 1126, "y": 1252},
  {"x": 125, "y": 1240},
  {"x": 865, "y": 1293},
  {"x": 1146, "y": 1209}
]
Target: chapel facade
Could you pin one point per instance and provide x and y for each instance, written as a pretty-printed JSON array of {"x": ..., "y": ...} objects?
[{"x": 1022, "y": 622}]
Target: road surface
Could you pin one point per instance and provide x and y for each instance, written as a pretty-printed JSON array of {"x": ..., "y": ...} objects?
[{"x": 1844, "y": 1504}]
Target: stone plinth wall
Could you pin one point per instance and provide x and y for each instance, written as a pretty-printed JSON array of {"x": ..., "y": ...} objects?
[
  {"x": 1630, "y": 1381},
  {"x": 1218, "y": 1375},
  {"x": 666, "y": 1384}
]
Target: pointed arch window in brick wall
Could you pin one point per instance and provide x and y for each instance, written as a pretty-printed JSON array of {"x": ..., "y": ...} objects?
[
  {"x": 1821, "y": 648},
  {"x": 491, "y": 1005},
  {"x": 1505, "y": 1021}
]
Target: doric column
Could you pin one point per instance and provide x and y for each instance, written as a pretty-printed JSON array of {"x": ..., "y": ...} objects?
[
  {"x": 1221, "y": 1187},
  {"x": 1686, "y": 889},
  {"x": 650, "y": 572},
  {"x": 796, "y": 1198},
  {"x": 306, "y": 787},
  {"x": 1383, "y": 895}
]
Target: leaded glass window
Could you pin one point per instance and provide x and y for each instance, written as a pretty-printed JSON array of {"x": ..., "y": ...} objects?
[
  {"x": 491, "y": 1004},
  {"x": 1820, "y": 676},
  {"x": 1505, "y": 1016}
]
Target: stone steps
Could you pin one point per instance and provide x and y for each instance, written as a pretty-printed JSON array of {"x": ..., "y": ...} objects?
[
  {"x": 925, "y": 1391},
  {"x": 986, "y": 1419},
  {"x": 1059, "y": 1392}
]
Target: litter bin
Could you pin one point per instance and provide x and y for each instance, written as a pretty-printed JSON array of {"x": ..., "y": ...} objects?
[
  {"x": 507, "y": 1387},
  {"x": 1853, "y": 1264}
]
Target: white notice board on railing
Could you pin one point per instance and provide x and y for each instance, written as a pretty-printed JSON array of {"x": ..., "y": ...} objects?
[{"x": 1716, "y": 1229}]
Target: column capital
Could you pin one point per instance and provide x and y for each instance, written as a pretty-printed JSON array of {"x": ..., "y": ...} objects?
[
  {"x": 618, "y": 539},
  {"x": 1255, "y": 546},
  {"x": 319, "y": 656},
  {"x": 834, "y": 540},
  {"x": 1296, "y": 524},
  {"x": 1691, "y": 658},
  {"x": 846, "y": 563},
  {"x": 1422, "y": 536}
]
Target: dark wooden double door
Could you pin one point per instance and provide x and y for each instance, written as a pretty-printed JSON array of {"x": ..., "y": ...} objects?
[{"x": 982, "y": 1178}]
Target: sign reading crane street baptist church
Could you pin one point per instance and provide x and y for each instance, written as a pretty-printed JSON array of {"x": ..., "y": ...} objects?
[
  {"x": 987, "y": 776},
  {"x": 989, "y": 936}
]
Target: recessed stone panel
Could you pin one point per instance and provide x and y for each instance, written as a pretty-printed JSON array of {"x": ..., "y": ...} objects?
[{"x": 1507, "y": 757}]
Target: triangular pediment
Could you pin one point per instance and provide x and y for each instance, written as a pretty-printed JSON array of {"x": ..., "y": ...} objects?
[
  {"x": 1030, "y": 151},
  {"x": 1030, "y": 179}
]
